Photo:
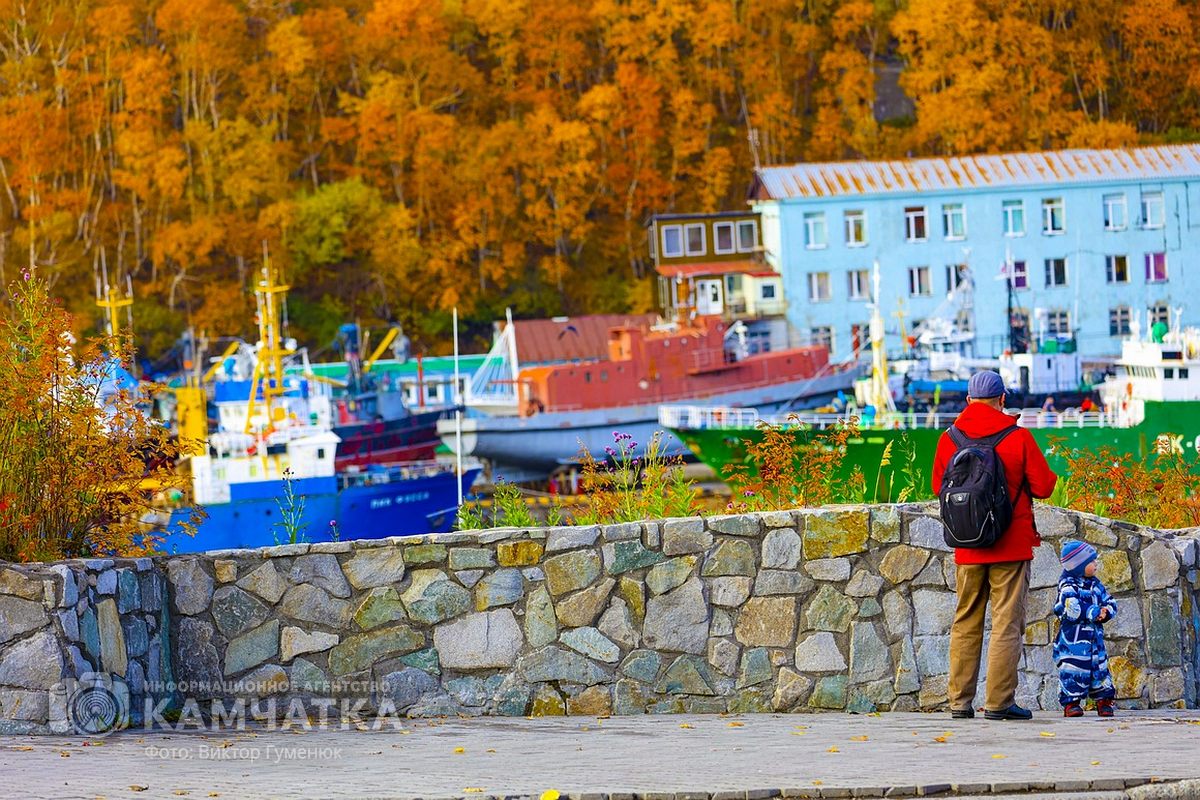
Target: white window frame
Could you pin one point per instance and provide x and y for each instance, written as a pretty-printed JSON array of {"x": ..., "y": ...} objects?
[
  {"x": 855, "y": 224},
  {"x": 738, "y": 236},
  {"x": 1121, "y": 318},
  {"x": 1050, "y": 272},
  {"x": 814, "y": 221},
  {"x": 911, "y": 215},
  {"x": 717, "y": 228},
  {"x": 1166, "y": 272},
  {"x": 954, "y": 279},
  {"x": 1020, "y": 270},
  {"x": 854, "y": 278},
  {"x": 918, "y": 287},
  {"x": 1007, "y": 207},
  {"x": 703, "y": 249},
  {"x": 1154, "y": 315},
  {"x": 1110, "y": 268},
  {"x": 1049, "y": 205},
  {"x": 1053, "y": 317},
  {"x": 817, "y": 281},
  {"x": 1112, "y": 204},
  {"x": 949, "y": 212},
  {"x": 1150, "y": 202},
  {"x": 666, "y": 251}
]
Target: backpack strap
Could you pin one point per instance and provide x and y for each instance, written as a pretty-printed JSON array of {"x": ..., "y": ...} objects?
[{"x": 961, "y": 440}]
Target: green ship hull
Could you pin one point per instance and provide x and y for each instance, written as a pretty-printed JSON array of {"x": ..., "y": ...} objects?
[{"x": 724, "y": 448}]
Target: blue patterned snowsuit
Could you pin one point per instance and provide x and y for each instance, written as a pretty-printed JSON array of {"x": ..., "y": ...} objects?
[{"x": 1079, "y": 650}]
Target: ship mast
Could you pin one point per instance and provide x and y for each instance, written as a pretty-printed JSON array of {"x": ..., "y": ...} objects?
[
  {"x": 878, "y": 395},
  {"x": 268, "y": 368},
  {"x": 111, "y": 299}
]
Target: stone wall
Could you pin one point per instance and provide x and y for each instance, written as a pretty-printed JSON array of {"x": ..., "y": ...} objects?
[{"x": 836, "y": 608}]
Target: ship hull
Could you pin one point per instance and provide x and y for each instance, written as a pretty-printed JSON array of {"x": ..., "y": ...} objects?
[
  {"x": 724, "y": 449},
  {"x": 521, "y": 448},
  {"x": 408, "y": 438},
  {"x": 363, "y": 510}
]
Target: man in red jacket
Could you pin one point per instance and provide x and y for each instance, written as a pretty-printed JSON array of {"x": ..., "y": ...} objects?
[{"x": 1000, "y": 573}]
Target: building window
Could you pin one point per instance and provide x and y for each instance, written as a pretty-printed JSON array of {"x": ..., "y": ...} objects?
[
  {"x": 1014, "y": 217},
  {"x": 860, "y": 284},
  {"x": 723, "y": 238},
  {"x": 652, "y": 240},
  {"x": 914, "y": 224},
  {"x": 1119, "y": 321},
  {"x": 1116, "y": 215},
  {"x": 818, "y": 287},
  {"x": 1160, "y": 312},
  {"x": 1056, "y": 272},
  {"x": 822, "y": 335},
  {"x": 1058, "y": 323},
  {"x": 1020, "y": 275},
  {"x": 815, "y": 234},
  {"x": 1153, "y": 210},
  {"x": 733, "y": 284},
  {"x": 954, "y": 221},
  {"x": 856, "y": 228},
  {"x": 1053, "y": 216},
  {"x": 1116, "y": 268},
  {"x": 747, "y": 236},
  {"x": 919, "y": 284},
  {"x": 955, "y": 275},
  {"x": 694, "y": 236},
  {"x": 768, "y": 291},
  {"x": 672, "y": 238},
  {"x": 1156, "y": 267}
]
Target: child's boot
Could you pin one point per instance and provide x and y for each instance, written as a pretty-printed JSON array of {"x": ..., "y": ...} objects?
[
  {"x": 1104, "y": 707},
  {"x": 1072, "y": 710}
]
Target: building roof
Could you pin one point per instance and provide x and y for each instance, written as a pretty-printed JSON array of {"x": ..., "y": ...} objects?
[
  {"x": 848, "y": 178},
  {"x": 566, "y": 339},
  {"x": 694, "y": 270}
]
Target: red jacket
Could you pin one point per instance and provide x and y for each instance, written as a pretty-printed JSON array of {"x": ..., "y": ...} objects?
[{"x": 1022, "y": 458}]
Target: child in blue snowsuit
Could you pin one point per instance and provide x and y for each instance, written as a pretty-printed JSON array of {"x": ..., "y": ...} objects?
[{"x": 1083, "y": 606}]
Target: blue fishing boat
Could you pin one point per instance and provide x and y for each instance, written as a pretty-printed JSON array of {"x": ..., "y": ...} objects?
[{"x": 269, "y": 474}]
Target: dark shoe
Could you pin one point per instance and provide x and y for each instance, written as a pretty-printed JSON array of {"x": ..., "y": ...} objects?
[
  {"x": 1104, "y": 707},
  {"x": 1072, "y": 710},
  {"x": 1012, "y": 712},
  {"x": 962, "y": 713}
]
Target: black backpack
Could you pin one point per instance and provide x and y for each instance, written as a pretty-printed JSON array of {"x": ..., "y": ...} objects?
[{"x": 975, "y": 506}]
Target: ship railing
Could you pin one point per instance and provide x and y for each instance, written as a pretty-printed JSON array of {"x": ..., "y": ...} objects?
[
  {"x": 710, "y": 418},
  {"x": 390, "y": 473}
]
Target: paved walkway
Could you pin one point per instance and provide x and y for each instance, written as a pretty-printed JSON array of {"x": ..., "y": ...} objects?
[{"x": 747, "y": 757}]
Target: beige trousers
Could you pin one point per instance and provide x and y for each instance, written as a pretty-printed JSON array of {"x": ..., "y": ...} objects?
[{"x": 1006, "y": 587}]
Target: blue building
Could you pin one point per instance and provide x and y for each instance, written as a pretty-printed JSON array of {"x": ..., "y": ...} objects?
[{"x": 1091, "y": 241}]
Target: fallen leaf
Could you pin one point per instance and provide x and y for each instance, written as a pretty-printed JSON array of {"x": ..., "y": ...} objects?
[
  {"x": 685, "y": 725},
  {"x": 550, "y": 794},
  {"x": 799, "y": 733},
  {"x": 1047, "y": 734},
  {"x": 941, "y": 739},
  {"x": 180, "y": 792},
  {"x": 817, "y": 783},
  {"x": 491, "y": 750},
  {"x": 833, "y": 750},
  {"x": 472, "y": 790},
  {"x": 460, "y": 749},
  {"x": 136, "y": 788},
  {"x": 1095, "y": 763},
  {"x": 214, "y": 794},
  {"x": 999, "y": 755},
  {"x": 63, "y": 754},
  {"x": 858, "y": 738},
  {"x": 736, "y": 724},
  {"x": 23, "y": 747}
]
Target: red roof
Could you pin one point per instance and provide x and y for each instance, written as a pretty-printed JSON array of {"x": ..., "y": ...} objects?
[
  {"x": 745, "y": 267},
  {"x": 564, "y": 339}
]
